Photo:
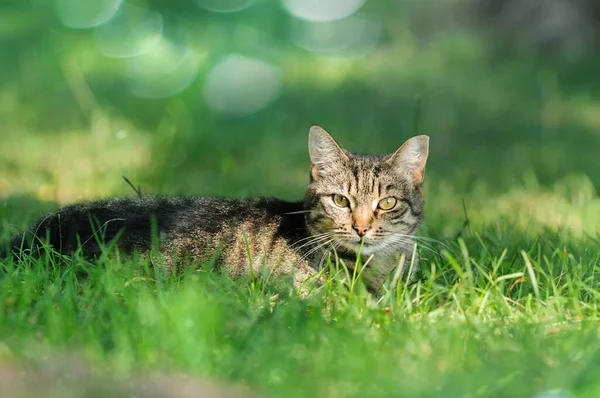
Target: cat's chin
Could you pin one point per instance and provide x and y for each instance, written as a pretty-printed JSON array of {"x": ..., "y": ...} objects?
[{"x": 366, "y": 249}]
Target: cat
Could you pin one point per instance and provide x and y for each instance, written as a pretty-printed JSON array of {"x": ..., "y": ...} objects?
[{"x": 354, "y": 203}]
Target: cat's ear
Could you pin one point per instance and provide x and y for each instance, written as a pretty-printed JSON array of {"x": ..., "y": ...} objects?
[
  {"x": 323, "y": 150},
  {"x": 411, "y": 157}
]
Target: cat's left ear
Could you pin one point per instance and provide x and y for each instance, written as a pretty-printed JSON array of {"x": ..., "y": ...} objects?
[{"x": 411, "y": 158}]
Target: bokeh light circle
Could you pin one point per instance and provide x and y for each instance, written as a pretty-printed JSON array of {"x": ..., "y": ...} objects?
[
  {"x": 353, "y": 36},
  {"x": 132, "y": 32},
  {"x": 239, "y": 85},
  {"x": 322, "y": 10},
  {"x": 85, "y": 14},
  {"x": 166, "y": 70},
  {"x": 224, "y": 5}
]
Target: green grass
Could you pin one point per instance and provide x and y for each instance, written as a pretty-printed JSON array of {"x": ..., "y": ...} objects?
[
  {"x": 499, "y": 311},
  {"x": 508, "y": 304}
]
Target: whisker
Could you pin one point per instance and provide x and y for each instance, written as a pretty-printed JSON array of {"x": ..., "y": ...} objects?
[
  {"x": 308, "y": 238},
  {"x": 333, "y": 246},
  {"x": 311, "y": 237},
  {"x": 408, "y": 242},
  {"x": 314, "y": 249},
  {"x": 312, "y": 242},
  {"x": 422, "y": 239},
  {"x": 297, "y": 212}
]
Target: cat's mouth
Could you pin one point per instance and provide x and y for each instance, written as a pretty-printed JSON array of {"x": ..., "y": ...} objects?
[
  {"x": 366, "y": 249},
  {"x": 365, "y": 246}
]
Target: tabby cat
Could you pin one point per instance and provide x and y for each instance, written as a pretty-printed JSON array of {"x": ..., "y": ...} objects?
[{"x": 355, "y": 203}]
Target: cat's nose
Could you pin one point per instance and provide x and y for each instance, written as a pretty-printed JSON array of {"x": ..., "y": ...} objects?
[{"x": 361, "y": 230}]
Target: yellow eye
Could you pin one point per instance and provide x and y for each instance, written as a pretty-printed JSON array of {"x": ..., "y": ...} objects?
[
  {"x": 340, "y": 200},
  {"x": 387, "y": 203}
]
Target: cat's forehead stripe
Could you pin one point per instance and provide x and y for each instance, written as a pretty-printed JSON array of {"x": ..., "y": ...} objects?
[
  {"x": 375, "y": 184},
  {"x": 376, "y": 170},
  {"x": 359, "y": 181}
]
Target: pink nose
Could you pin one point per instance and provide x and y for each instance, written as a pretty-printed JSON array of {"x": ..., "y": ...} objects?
[{"x": 361, "y": 230}]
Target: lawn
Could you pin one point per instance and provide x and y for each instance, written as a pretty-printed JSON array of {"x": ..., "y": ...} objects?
[{"x": 508, "y": 303}]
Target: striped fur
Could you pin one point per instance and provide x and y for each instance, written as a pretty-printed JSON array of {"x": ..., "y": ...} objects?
[
  {"x": 364, "y": 180},
  {"x": 240, "y": 235}
]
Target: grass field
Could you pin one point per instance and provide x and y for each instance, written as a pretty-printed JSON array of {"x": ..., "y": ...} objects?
[{"x": 509, "y": 301}]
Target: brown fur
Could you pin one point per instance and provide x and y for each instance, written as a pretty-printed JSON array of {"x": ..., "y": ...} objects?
[{"x": 244, "y": 235}]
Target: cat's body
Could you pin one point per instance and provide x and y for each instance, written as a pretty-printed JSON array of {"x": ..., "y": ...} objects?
[
  {"x": 219, "y": 230},
  {"x": 354, "y": 203}
]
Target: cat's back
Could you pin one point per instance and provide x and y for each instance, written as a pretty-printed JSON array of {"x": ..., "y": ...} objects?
[
  {"x": 166, "y": 210},
  {"x": 212, "y": 214},
  {"x": 243, "y": 231},
  {"x": 240, "y": 233},
  {"x": 184, "y": 223}
]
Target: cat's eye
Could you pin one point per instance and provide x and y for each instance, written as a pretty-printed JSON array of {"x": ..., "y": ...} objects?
[
  {"x": 387, "y": 203},
  {"x": 340, "y": 200}
]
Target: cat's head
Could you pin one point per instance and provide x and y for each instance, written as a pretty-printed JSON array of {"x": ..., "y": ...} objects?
[{"x": 352, "y": 197}]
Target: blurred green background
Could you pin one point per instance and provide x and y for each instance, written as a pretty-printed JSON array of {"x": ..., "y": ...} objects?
[{"x": 215, "y": 97}]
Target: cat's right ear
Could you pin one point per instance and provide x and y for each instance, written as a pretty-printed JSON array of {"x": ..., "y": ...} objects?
[{"x": 324, "y": 152}]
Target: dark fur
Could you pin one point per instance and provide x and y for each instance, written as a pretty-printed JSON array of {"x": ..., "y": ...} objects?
[
  {"x": 282, "y": 236},
  {"x": 92, "y": 225}
]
